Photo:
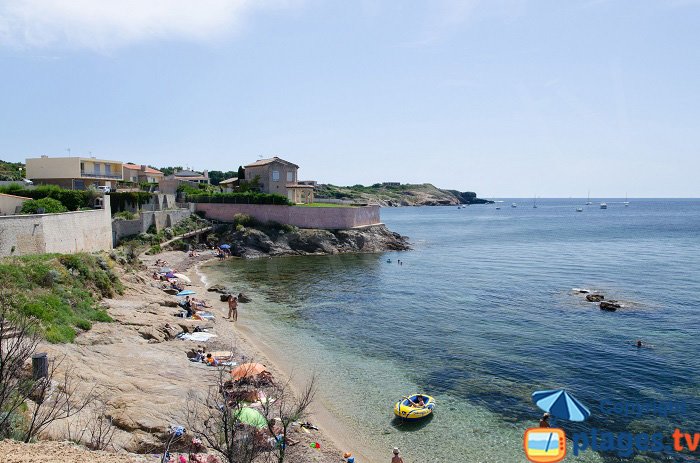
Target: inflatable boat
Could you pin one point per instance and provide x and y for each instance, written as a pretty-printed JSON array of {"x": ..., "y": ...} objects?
[{"x": 408, "y": 410}]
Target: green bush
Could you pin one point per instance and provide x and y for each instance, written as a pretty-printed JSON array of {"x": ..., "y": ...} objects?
[
  {"x": 244, "y": 220},
  {"x": 249, "y": 197},
  {"x": 124, "y": 215},
  {"x": 71, "y": 199},
  {"x": 128, "y": 199},
  {"x": 43, "y": 206},
  {"x": 61, "y": 291}
]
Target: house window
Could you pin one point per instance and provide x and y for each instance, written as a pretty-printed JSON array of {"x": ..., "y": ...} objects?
[
  {"x": 275, "y": 175},
  {"x": 290, "y": 176}
]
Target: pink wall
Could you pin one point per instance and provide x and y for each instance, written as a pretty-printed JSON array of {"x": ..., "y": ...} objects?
[{"x": 302, "y": 217}]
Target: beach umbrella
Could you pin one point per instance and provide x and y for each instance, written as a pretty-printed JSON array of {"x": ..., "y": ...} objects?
[
  {"x": 251, "y": 417},
  {"x": 225, "y": 246},
  {"x": 182, "y": 277},
  {"x": 187, "y": 292},
  {"x": 247, "y": 369},
  {"x": 165, "y": 270},
  {"x": 561, "y": 404}
]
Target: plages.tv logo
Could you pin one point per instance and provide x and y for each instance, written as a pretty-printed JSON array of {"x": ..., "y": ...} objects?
[{"x": 546, "y": 443}]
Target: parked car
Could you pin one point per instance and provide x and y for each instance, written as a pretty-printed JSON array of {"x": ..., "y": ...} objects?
[{"x": 104, "y": 188}]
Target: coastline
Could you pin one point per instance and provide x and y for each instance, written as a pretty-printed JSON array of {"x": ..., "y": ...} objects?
[
  {"x": 142, "y": 367},
  {"x": 263, "y": 351}
]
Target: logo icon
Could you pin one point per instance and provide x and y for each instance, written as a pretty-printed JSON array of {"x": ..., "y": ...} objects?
[{"x": 545, "y": 445}]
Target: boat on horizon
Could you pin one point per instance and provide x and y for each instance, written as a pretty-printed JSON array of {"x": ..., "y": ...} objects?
[
  {"x": 534, "y": 203},
  {"x": 579, "y": 209},
  {"x": 588, "y": 203},
  {"x": 603, "y": 206},
  {"x": 514, "y": 205},
  {"x": 626, "y": 203}
]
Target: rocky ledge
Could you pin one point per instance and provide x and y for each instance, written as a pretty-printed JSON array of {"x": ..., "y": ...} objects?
[{"x": 251, "y": 242}]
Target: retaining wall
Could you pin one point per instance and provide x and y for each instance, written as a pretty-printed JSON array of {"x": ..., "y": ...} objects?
[
  {"x": 159, "y": 219},
  {"x": 65, "y": 233},
  {"x": 333, "y": 218}
]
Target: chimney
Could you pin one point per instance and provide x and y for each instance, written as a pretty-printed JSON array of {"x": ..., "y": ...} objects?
[
  {"x": 143, "y": 168},
  {"x": 205, "y": 173}
]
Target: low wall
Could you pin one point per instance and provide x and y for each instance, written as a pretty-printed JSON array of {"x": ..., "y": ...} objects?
[
  {"x": 333, "y": 218},
  {"x": 65, "y": 233},
  {"x": 159, "y": 219}
]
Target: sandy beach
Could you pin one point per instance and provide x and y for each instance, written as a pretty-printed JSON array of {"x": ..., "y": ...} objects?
[{"x": 143, "y": 372}]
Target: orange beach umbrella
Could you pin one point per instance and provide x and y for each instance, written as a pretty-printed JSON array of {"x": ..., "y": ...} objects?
[{"x": 247, "y": 369}]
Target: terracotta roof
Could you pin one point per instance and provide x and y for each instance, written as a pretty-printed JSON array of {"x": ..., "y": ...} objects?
[
  {"x": 136, "y": 167},
  {"x": 264, "y": 162}
]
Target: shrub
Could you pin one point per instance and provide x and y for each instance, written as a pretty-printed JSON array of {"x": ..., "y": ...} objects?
[
  {"x": 124, "y": 215},
  {"x": 248, "y": 197},
  {"x": 44, "y": 206},
  {"x": 71, "y": 199},
  {"x": 244, "y": 219}
]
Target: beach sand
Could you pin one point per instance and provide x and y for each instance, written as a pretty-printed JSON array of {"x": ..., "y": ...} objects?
[{"x": 145, "y": 376}]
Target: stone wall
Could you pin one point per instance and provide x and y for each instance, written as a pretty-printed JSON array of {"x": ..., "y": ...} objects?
[
  {"x": 159, "y": 219},
  {"x": 333, "y": 218},
  {"x": 69, "y": 232}
]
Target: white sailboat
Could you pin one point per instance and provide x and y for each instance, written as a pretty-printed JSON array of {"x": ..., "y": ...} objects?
[
  {"x": 626, "y": 203},
  {"x": 588, "y": 203},
  {"x": 603, "y": 205},
  {"x": 534, "y": 203}
]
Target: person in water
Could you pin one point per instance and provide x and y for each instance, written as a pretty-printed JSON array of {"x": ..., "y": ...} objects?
[
  {"x": 544, "y": 422},
  {"x": 232, "y": 307},
  {"x": 396, "y": 458}
]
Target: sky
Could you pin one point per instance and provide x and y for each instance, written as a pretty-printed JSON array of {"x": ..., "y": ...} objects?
[{"x": 508, "y": 98}]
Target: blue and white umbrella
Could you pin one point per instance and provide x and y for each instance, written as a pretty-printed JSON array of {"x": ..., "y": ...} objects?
[
  {"x": 561, "y": 404},
  {"x": 187, "y": 292},
  {"x": 225, "y": 246}
]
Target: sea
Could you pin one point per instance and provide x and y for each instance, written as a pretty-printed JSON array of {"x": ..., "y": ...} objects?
[{"x": 482, "y": 312}]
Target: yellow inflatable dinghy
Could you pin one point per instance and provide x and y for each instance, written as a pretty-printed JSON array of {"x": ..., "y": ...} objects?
[{"x": 408, "y": 408}]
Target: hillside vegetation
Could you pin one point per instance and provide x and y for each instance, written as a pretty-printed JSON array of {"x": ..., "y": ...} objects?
[
  {"x": 11, "y": 170},
  {"x": 61, "y": 291},
  {"x": 424, "y": 194}
]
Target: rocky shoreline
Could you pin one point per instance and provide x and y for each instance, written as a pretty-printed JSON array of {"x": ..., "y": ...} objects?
[
  {"x": 140, "y": 367},
  {"x": 256, "y": 242}
]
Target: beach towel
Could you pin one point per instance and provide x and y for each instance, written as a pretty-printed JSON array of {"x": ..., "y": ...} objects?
[{"x": 198, "y": 337}]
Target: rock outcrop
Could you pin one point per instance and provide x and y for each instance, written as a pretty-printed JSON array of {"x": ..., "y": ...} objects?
[
  {"x": 595, "y": 297},
  {"x": 267, "y": 242},
  {"x": 610, "y": 306}
]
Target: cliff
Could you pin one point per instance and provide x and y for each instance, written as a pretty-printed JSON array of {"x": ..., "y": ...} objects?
[
  {"x": 264, "y": 241},
  {"x": 381, "y": 194}
]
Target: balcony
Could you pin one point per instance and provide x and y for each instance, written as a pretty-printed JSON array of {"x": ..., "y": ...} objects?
[{"x": 100, "y": 175}]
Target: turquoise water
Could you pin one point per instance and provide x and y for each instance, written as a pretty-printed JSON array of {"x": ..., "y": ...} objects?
[{"x": 481, "y": 314}]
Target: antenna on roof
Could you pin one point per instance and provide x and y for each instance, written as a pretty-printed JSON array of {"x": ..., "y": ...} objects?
[{"x": 68, "y": 149}]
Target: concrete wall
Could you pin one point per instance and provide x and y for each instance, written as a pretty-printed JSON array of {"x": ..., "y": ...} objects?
[
  {"x": 303, "y": 217},
  {"x": 10, "y": 204},
  {"x": 159, "y": 219},
  {"x": 69, "y": 232}
]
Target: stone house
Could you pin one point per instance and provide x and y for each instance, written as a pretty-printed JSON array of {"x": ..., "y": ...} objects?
[
  {"x": 137, "y": 174},
  {"x": 275, "y": 175}
]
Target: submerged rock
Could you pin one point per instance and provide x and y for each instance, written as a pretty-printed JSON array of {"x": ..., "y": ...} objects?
[{"x": 610, "y": 306}]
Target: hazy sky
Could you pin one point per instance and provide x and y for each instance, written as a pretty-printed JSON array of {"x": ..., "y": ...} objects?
[{"x": 505, "y": 98}]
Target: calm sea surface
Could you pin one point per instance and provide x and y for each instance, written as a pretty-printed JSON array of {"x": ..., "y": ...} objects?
[{"x": 481, "y": 314}]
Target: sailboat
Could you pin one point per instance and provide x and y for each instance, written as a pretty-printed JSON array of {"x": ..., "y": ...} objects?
[
  {"x": 588, "y": 203},
  {"x": 534, "y": 203},
  {"x": 626, "y": 203}
]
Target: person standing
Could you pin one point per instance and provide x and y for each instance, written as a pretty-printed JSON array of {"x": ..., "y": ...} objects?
[
  {"x": 232, "y": 307},
  {"x": 544, "y": 422},
  {"x": 396, "y": 458}
]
